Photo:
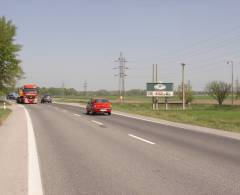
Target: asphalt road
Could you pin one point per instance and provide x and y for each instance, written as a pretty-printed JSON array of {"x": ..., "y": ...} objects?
[{"x": 81, "y": 154}]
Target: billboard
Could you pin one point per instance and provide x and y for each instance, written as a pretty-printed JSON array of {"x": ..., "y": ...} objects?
[{"x": 159, "y": 89}]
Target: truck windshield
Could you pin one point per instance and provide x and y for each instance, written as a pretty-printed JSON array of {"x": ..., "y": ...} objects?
[{"x": 32, "y": 90}]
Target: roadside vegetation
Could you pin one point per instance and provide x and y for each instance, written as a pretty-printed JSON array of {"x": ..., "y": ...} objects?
[
  {"x": 218, "y": 90},
  {"x": 4, "y": 114},
  {"x": 10, "y": 69},
  {"x": 220, "y": 117}
]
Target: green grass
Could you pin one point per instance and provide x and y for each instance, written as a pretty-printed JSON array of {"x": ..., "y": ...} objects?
[
  {"x": 4, "y": 114},
  {"x": 132, "y": 98},
  {"x": 205, "y": 97},
  {"x": 80, "y": 99},
  {"x": 71, "y": 100},
  {"x": 219, "y": 117}
]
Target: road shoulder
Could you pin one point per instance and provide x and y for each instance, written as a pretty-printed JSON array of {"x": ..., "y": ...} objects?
[{"x": 13, "y": 150}]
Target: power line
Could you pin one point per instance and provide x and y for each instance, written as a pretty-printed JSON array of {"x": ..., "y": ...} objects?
[
  {"x": 197, "y": 45},
  {"x": 209, "y": 39},
  {"x": 202, "y": 51}
]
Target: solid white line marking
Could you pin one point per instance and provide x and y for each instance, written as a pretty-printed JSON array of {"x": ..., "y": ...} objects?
[
  {"x": 76, "y": 114},
  {"x": 139, "y": 138},
  {"x": 139, "y": 118},
  {"x": 34, "y": 177},
  {"x": 99, "y": 123}
]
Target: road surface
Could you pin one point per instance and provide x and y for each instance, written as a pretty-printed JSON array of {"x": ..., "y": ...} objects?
[{"x": 107, "y": 155}]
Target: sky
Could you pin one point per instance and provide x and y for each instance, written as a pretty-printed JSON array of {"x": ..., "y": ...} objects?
[{"x": 73, "y": 41}]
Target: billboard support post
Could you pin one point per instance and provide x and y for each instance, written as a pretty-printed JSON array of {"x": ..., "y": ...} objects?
[{"x": 166, "y": 103}]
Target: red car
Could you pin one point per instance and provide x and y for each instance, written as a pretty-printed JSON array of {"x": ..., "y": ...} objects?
[{"x": 99, "y": 105}]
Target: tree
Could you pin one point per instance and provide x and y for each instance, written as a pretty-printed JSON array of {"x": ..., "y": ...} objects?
[
  {"x": 188, "y": 93},
  {"x": 71, "y": 92},
  {"x": 218, "y": 90},
  {"x": 10, "y": 69}
]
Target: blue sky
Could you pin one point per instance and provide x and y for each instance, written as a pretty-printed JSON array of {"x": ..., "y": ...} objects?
[{"x": 73, "y": 41}]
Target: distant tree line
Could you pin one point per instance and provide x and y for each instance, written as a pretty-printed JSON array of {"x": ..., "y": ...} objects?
[
  {"x": 55, "y": 91},
  {"x": 58, "y": 91}
]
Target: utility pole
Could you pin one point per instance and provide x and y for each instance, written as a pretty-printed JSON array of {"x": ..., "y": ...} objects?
[
  {"x": 183, "y": 91},
  {"x": 156, "y": 103},
  {"x": 231, "y": 62},
  {"x": 189, "y": 84},
  {"x": 156, "y": 73},
  {"x": 237, "y": 89},
  {"x": 153, "y": 73},
  {"x": 121, "y": 75},
  {"x": 153, "y": 80},
  {"x": 85, "y": 85}
]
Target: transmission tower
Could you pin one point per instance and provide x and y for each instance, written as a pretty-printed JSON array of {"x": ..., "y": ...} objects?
[
  {"x": 63, "y": 90},
  {"x": 121, "y": 75},
  {"x": 85, "y": 85}
]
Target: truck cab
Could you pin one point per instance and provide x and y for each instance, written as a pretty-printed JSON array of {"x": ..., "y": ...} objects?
[{"x": 28, "y": 94}]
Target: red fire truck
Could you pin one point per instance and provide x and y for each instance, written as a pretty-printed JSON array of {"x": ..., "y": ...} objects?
[{"x": 28, "y": 94}]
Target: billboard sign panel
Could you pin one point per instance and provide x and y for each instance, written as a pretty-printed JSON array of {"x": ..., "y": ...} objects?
[{"x": 159, "y": 89}]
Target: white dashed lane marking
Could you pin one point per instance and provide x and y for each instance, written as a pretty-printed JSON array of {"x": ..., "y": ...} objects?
[
  {"x": 99, "y": 123},
  {"x": 76, "y": 114},
  {"x": 141, "y": 139}
]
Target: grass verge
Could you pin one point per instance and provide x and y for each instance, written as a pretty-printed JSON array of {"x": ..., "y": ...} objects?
[
  {"x": 4, "y": 114},
  {"x": 218, "y": 117}
]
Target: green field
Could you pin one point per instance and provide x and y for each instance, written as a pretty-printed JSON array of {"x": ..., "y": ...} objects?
[
  {"x": 4, "y": 114},
  {"x": 112, "y": 98},
  {"x": 219, "y": 117}
]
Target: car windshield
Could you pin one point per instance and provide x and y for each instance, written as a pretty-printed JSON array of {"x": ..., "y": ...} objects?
[
  {"x": 12, "y": 94},
  {"x": 101, "y": 101}
]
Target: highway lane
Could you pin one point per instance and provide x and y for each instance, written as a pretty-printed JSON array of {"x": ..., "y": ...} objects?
[
  {"x": 82, "y": 154},
  {"x": 169, "y": 135}
]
